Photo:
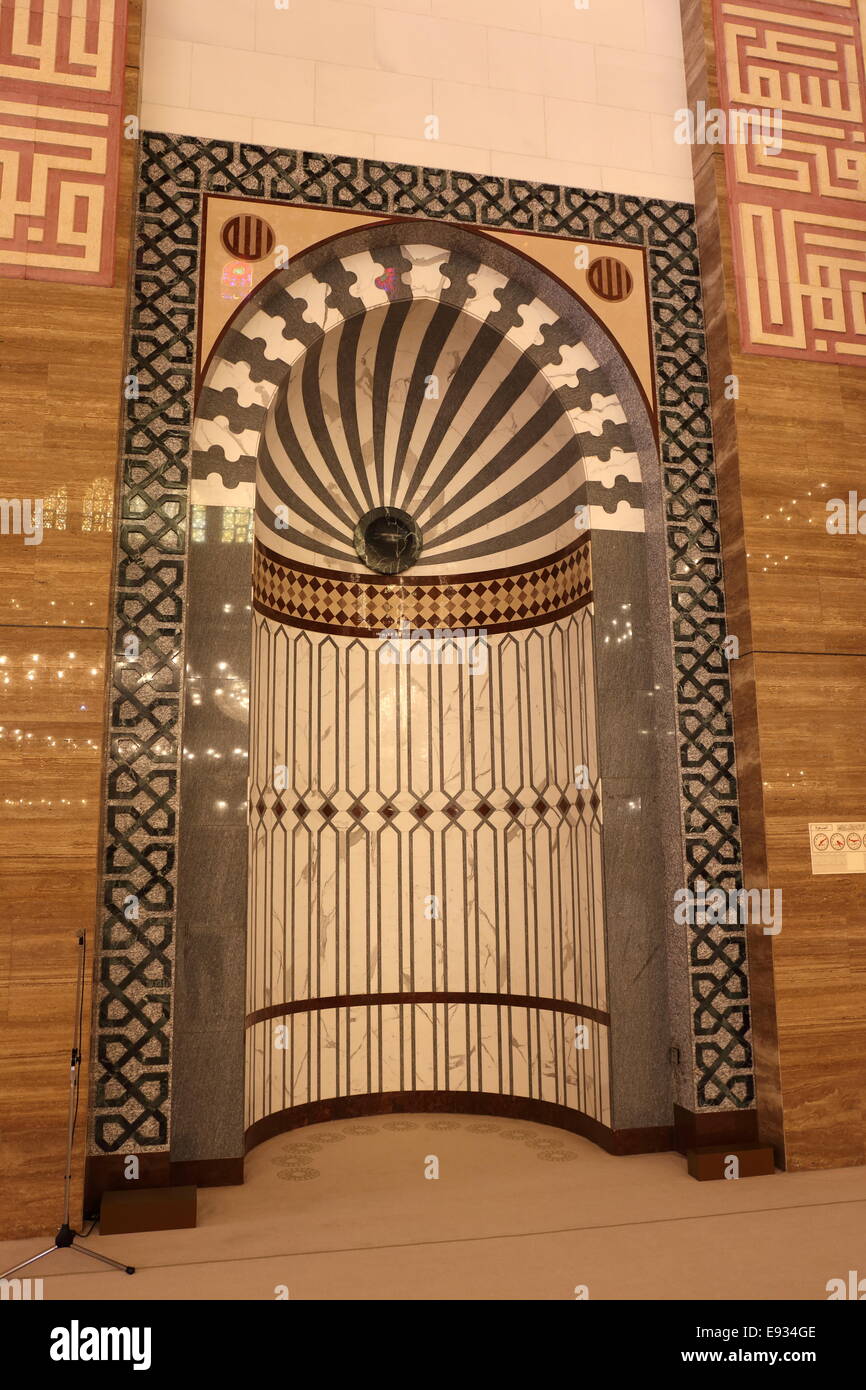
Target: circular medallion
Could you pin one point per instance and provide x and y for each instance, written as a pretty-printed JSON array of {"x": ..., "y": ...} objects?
[
  {"x": 610, "y": 279},
  {"x": 249, "y": 238},
  {"x": 387, "y": 540}
]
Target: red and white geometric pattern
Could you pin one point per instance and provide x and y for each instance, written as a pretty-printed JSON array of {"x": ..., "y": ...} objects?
[
  {"x": 61, "y": 79},
  {"x": 799, "y": 215}
]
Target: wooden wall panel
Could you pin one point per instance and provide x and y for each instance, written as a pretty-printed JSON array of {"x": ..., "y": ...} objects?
[
  {"x": 797, "y": 601},
  {"x": 62, "y": 350}
]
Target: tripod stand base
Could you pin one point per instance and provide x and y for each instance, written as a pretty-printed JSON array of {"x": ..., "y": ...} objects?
[
  {"x": 65, "y": 1240},
  {"x": 66, "y": 1237}
]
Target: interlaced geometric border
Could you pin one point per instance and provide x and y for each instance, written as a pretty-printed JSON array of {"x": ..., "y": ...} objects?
[{"x": 132, "y": 1054}]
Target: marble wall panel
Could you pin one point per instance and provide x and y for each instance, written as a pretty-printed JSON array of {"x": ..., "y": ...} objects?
[{"x": 547, "y": 92}]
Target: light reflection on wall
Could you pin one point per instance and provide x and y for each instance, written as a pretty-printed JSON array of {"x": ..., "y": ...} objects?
[
  {"x": 237, "y": 280},
  {"x": 54, "y": 510},
  {"x": 98, "y": 509},
  {"x": 236, "y": 524}
]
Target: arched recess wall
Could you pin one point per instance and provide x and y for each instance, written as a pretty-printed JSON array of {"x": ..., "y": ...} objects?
[{"x": 549, "y": 931}]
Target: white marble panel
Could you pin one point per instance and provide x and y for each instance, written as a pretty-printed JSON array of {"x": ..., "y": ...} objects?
[
  {"x": 270, "y": 329},
  {"x": 218, "y": 434},
  {"x": 426, "y": 277},
  {"x": 624, "y": 518},
  {"x": 392, "y": 1043},
  {"x": 534, "y": 317},
  {"x": 366, "y": 270},
  {"x": 235, "y": 376},
  {"x": 567, "y": 369},
  {"x": 520, "y": 901},
  {"x": 212, "y": 492},
  {"x": 485, "y": 300}
]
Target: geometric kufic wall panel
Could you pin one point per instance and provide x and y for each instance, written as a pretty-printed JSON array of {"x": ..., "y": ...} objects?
[
  {"x": 798, "y": 214},
  {"x": 61, "y": 72}
]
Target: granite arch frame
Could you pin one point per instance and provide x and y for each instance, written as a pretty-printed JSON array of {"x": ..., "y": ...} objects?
[{"x": 135, "y": 1002}]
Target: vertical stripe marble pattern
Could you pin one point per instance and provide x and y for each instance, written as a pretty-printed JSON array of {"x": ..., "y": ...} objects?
[{"x": 427, "y": 838}]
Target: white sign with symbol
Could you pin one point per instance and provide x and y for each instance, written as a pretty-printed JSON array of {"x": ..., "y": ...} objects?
[{"x": 838, "y": 847}]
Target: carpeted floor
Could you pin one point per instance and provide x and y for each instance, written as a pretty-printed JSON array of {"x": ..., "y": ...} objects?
[{"x": 518, "y": 1211}]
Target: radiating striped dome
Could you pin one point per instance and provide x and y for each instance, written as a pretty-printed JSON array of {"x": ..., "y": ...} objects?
[{"x": 414, "y": 376}]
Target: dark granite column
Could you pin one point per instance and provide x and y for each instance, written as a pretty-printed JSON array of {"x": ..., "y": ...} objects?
[{"x": 207, "y": 1075}]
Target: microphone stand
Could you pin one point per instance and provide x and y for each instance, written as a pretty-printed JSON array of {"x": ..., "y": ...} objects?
[{"x": 66, "y": 1237}]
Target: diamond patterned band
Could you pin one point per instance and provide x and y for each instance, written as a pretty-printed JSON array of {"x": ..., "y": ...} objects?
[{"x": 327, "y": 601}]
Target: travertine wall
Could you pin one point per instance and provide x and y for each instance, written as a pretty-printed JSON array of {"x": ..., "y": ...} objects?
[
  {"x": 62, "y": 354},
  {"x": 533, "y": 89},
  {"x": 791, "y": 438}
]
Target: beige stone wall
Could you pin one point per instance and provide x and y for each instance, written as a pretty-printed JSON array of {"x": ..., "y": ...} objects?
[{"x": 535, "y": 89}]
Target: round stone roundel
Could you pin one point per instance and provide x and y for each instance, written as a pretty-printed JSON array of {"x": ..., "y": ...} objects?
[
  {"x": 387, "y": 540},
  {"x": 249, "y": 238},
  {"x": 610, "y": 279}
]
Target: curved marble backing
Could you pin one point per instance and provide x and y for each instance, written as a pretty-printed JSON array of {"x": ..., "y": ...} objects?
[
  {"x": 426, "y": 905},
  {"x": 521, "y": 431}
]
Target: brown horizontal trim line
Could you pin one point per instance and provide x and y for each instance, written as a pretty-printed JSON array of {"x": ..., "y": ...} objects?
[
  {"x": 421, "y": 581},
  {"x": 652, "y": 1139},
  {"x": 752, "y": 651},
  {"x": 374, "y": 633},
  {"x": 427, "y": 996}
]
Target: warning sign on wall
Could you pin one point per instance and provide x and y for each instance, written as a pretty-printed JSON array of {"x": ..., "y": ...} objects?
[{"x": 838, "y": 847}]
